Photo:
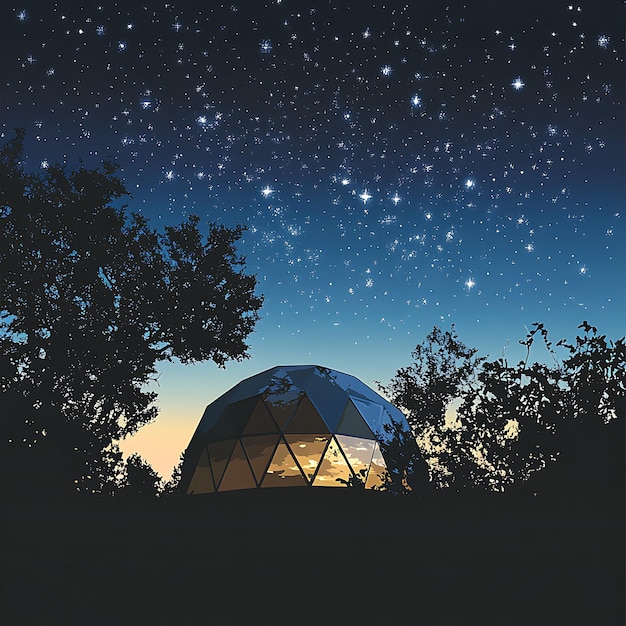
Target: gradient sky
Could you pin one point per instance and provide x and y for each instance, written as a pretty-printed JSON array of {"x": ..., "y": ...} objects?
[{"x": 398, "y": 165}]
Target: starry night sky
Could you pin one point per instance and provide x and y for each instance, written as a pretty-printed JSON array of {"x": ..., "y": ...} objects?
[{"x": 398, "y": 165}]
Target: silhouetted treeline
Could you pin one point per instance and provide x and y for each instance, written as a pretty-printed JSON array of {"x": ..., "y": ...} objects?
[
  {"x": 540, "y": 427},
  {"x": 92, "y": 299}
]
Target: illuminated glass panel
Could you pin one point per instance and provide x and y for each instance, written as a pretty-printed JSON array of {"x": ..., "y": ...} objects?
[
  {"x": 260, "y": 450},
  {"x": 378, "y": 470},
  {"x": 260, "y": 421},
  {"x": 333, "y": 469},
  {"x": 237, "y": 474},
  {"x": 219, "y": 453},
  {"x": 306, "y": 419},
  {"x": 232, "y": 421},
  {"x": 283, "y": 470},
  {"x": 352, "y": 423},
  {"x": 358, "y": 452},
  {"x": 308, "y": 450},
  {"x": 202, "y": 480}
]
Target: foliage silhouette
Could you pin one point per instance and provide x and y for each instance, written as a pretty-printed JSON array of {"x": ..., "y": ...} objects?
[
  {"x": 92, "y": 300},
  {"x": 407, "y": 470},
  {"x": 141, "y": 479},
  {"x": 443, "y": 369},
  {"x": 170, "y": 487},
  {"x": 534, "y": 426}
]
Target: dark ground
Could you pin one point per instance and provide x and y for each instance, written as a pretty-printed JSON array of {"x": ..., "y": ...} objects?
[{"x": 315, "y": 556}]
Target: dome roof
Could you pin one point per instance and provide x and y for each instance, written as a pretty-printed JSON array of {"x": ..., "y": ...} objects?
[{"x": 299, "y": 425}]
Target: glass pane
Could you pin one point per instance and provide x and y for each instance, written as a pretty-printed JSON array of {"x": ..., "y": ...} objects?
[
  {"x": 372, "y": 412},
  {"x": 333, "y": 470},
  {"x": 202, "y": 481},
  {"x": 283, "y": 470},
  {"x": 237, "y": 474},
  {"x": 358, "y": 452},
  {"x": 281, "y": 397},
  {"x": 308, "y": 450},
  {"x": 260, "y": 421},
  {"x": 306, "y": 419},
  {"x": 378, "y": 470},
  {"x": 327, "y": 398},
  {"x": 219, "y": 453},
  {"x": 203, "y": 460},
  {"x": 352, "y": 423},
  {"x": 260, "y": 450},
  {"x": 232, "y": 421},
  {"x": 281, "y": 409}
]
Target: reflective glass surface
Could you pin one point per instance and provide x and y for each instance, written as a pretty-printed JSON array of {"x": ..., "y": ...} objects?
[
  {"x": 306, "y": 419},
  {"x": 353, "y": 423},
  {"x": 308, "y": 450},
  {"x": 378, "y": 470},
  {"x": 260, "y": 420},
  {"x": 283, "y": 470},
  {"x": 358, "y": 452},
  {"x": 219, "y": 453},
  {"x": 238, "y": 474},
  {"x": 333, "y": 470},
  {"x": 372, "y": 412},
  {"x": 232, "y": 420},
  {"x": 260, "y": 450}
]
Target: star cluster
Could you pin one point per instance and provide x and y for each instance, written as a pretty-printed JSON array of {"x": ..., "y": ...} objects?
[{"x": 396, "y": 164}]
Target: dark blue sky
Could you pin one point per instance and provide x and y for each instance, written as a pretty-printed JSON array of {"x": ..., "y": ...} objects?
[{"x": 396, "y": 167}]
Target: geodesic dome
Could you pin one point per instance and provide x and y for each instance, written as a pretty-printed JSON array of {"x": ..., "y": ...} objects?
[{"x": 292, "y": 426}]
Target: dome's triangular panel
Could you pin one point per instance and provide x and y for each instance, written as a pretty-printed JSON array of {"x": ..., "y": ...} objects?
[
  {"x": 301, "y": 375},
  {"x": 334, "y": 470},
  {"x": 238, "y": 474},
  {"x": 202, "y": 480},
  {"x": 376, "y": 476},
  {"x": 327, "y": 397},
  {"x": 353, "y": 423},
  {"x": 358, "y": 452},
  {"x": 219, "y": 455},
  {"x": 260, "y": 421},
  {"x": 246, "y": 388},
  {"x": 280, "y": 410},
  {"x": 306, "y": 419},
  {"x": 260, "y": 450},
  {"x": 252, "y": 386},
  {"x": 372, "y": 412},
  {"x": 308, "y": 450},
  {"x": 283, "y": 470},
  {"x": 281, "y": 397},
  {"x": 233, "y": 419}
]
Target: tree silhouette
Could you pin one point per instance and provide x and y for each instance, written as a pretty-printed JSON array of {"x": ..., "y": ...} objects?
[
  {"x": 92, "y": 300},
  {"x": 170, "y": 487},
  {"x": 140, "y": 479},
  {"x": 443, "y": 369},
  {"x": 590, "y": 425},
  {"x": 545, "y": 427}
]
